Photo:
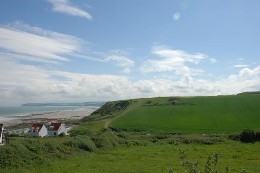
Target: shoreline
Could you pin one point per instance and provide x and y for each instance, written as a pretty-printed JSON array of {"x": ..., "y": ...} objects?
[{"x": 63, "y": 116}]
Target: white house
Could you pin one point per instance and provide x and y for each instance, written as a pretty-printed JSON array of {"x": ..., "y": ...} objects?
[
  {"x": 38, "y": 130},
  {"x": 55, "y": 129},
  {"x": 1, "y": 133}
]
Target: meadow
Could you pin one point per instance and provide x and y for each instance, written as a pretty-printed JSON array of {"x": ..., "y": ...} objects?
[
  {"x": 185, "y": 134},
  {"x": 215, "y": 114},
  {"x": 236, "y": 157}
]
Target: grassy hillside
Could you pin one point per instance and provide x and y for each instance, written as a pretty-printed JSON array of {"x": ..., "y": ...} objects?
[
  {"x": 153, "y": 158},
  {"x": 218, "y": 114},
  {"x": 94, "y": 147}
]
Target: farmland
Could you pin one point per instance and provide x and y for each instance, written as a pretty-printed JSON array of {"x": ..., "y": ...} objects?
[{"x": 219, "y": 114}]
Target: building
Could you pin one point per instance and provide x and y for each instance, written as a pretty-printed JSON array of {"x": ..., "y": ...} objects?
[
  {"x": 38, "y": 130},
  {"x": 1, "y": 133},
  {"x": 55, "y": 129}
]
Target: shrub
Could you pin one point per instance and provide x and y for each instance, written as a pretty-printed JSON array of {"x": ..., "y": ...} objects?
[
  {"x": 107, "y": 140},
  {"x": 149, "y": 102},
  {"x": 90, "y": 118},
  {"x": 257, "y": 136},
  {"x": 17, "y": 155},
  {"x": 62, "y": 134},
  {"x": 247, "y": 135},
  {"x": 235, "y": 137},
  {"x": 82, "y": 142}
]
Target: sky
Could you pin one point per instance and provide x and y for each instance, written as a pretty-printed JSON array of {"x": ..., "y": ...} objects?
[{"x": 96, "y": 50}]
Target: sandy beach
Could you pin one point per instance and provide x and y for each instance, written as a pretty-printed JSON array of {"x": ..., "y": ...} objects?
[{"x": 47, "y": 116}]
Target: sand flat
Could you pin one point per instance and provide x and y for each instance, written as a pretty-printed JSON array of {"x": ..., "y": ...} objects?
[{"x": 40, "y": 117}]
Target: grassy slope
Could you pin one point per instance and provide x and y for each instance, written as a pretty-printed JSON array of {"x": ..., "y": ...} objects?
[
  {"x": 154, "y": 158},
  {"x": 220, "y": 114}
]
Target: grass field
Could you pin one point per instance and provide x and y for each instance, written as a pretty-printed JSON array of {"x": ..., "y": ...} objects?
[
  {"x": 140, "y": 142},
  {"x": 154, "y": 158},
  {"x": 219, "y": 114}
]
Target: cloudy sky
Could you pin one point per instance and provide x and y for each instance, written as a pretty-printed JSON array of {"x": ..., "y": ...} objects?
[{"x": 99, "y": 50}]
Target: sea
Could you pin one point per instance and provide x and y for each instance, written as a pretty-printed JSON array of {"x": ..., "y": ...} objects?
[{"x": 11, "y": 112}]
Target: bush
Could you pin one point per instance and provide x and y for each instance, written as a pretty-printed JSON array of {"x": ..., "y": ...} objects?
[
  {"x": 17, "y": 155},
  {"x": 82, "y": 142},
  {"x": 62, "y": 134},
  {"x": 235, "y": 137},
  {"x": 257, "y": 136},
  {"x": 247, "y": 135},
  {"x": 107, "y": 140}
]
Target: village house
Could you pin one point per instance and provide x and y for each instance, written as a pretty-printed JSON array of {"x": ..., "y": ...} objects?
[
  {"x": 55, "y": 129},
  {"x": 38, "y": 130},
  {"x": 1, "y": 133}
]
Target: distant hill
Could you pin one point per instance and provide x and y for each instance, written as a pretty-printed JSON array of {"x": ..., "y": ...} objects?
[
  {"x": 65, "y": 104},
  {"x": 249, "y": 92}
]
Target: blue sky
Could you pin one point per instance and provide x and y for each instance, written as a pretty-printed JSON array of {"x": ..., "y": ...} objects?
[{"x": 93, "y": 50}]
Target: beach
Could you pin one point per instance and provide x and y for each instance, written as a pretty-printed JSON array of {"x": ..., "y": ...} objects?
[{"x": 62, "y": 116}]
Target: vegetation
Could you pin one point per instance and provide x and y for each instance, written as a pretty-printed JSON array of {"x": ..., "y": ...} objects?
[
  {"x": 219, "y": 114},
  {"x": 247, "y": 135},
  {"x": 101, "y": 139},
  {"x": 155, "y": 158}
]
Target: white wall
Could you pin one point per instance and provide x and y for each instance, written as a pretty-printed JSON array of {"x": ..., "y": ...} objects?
[
  {"x": 1, "y": 136},
  {"x": 41, "y": 133},
  {"x": 60, "y": 130}
]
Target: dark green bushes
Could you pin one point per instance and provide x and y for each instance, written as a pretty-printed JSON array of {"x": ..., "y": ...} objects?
[
  {"x": 107, "y": 140},
  {"x": 247, "y": 135},
  {"x": 82, "y": 142},
  {"x": 257, "y": 136},
  {"x": 31, "y": 151},
  {"x": 17, "y": 155}
]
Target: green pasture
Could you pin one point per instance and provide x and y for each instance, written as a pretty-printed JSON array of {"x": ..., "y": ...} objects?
[
  {"x": 153, "y": 158},
  {"x": 215, "y": 114}
]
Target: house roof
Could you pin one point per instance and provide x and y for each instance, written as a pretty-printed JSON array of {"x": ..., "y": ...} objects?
[
  {"x": 54, "y": 126},
  {"x": 37, "y": 126}
]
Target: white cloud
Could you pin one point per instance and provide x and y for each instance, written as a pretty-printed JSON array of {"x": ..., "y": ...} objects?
[
  {"x": 29, "y": 83},
  {"x": 20, "y": 82},
  {"x": 246, "y": 73},
  {"x": 212, "y": 60},
  {"x": 241, "y": 65},
  {"x": 173, "y": 60},
  {"x": 66, "y": 7},
  {"x": 21, "y": 41},
  {"x": 121, "y": 61}
]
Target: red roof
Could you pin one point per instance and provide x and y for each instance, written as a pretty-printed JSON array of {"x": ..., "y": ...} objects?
[
  {"x": 37, "y": 127},
  {"x": 54, "y": 126}
]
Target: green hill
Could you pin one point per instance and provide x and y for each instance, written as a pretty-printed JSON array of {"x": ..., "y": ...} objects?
[{"x": 214, "y": 114}]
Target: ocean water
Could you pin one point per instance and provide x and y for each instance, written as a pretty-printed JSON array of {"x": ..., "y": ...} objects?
[{"x": 9, "y": 112}]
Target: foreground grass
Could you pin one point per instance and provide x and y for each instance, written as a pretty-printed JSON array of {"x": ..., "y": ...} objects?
[
  {"x": 219, "y": 114},
  {"x": 155, "y": 158}
]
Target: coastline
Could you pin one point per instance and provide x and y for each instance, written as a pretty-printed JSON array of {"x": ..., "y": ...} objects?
[{"x": 63, "y": 116}]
